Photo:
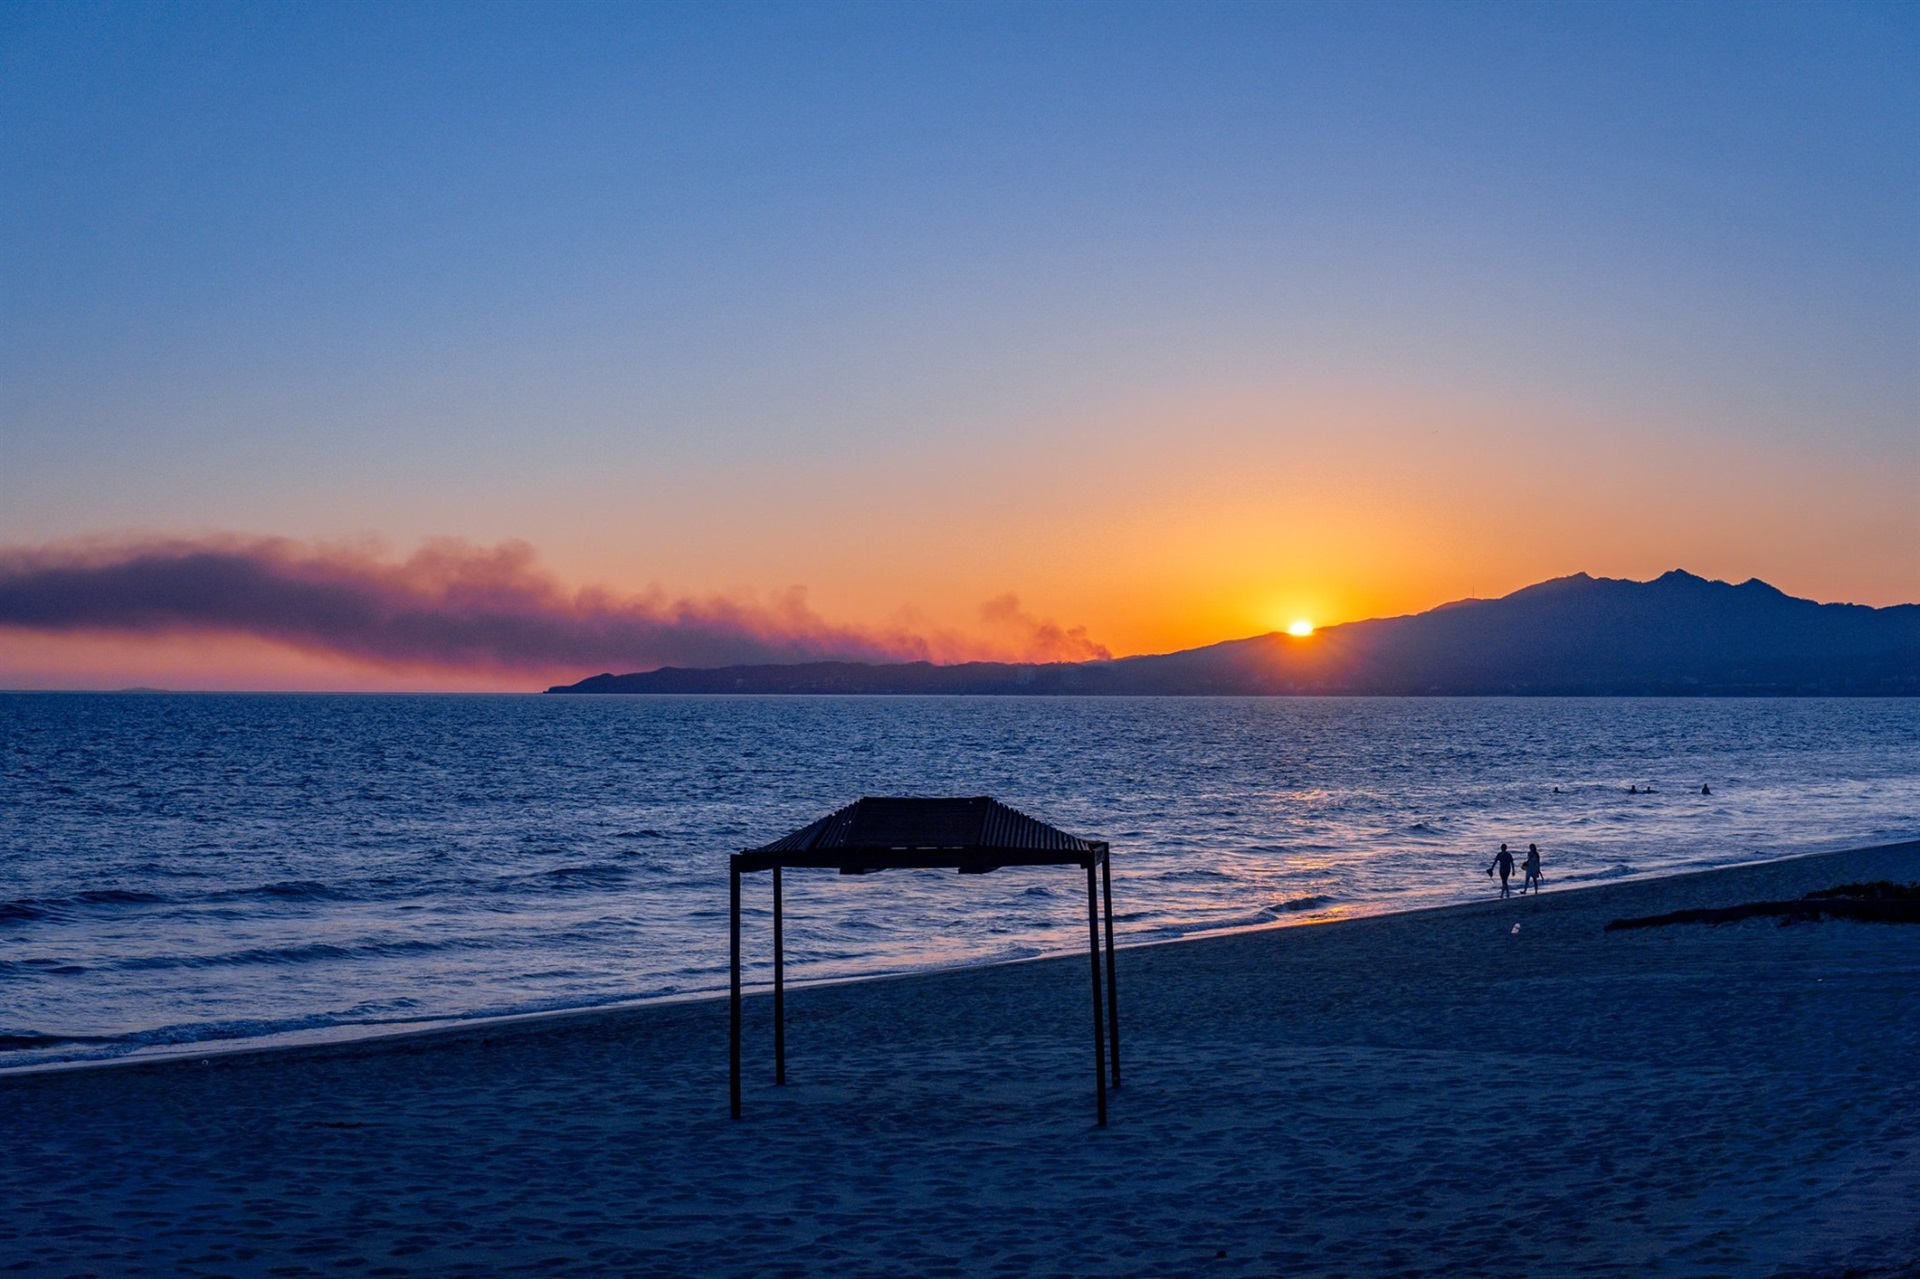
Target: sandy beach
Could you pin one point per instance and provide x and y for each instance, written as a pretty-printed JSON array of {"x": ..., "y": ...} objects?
[{"x": 1429, "y": 1093}]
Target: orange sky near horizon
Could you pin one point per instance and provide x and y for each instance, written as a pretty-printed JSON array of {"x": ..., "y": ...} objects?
[
  {"x": 1332, "y": 508},
  {"x": 1164, "y": 526}
]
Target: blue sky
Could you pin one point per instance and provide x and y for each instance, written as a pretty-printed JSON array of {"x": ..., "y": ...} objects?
[{"x": 621, "y": 280}]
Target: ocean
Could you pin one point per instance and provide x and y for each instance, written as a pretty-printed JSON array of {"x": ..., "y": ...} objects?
[{"x": 190, "y": 872}]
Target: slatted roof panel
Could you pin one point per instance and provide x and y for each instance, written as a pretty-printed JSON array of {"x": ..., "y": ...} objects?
[{"x": 889, "y": 824}]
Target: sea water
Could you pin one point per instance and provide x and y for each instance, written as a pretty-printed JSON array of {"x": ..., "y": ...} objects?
[{"x": 186, "y": 872}]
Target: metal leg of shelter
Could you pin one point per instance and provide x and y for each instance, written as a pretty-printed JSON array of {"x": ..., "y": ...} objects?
[
  {"x": 1113, "y": 982},
  {"x": 1099, "y": 1031},
  {"x": 734, "y": 1038},
  {"x": 779, "y": 987}
]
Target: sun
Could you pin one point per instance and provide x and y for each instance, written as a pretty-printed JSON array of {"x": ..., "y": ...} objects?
[{"x": 1301, "y": 627}]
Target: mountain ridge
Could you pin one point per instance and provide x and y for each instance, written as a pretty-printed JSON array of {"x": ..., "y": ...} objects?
[{"x": 1678, "y": 634}]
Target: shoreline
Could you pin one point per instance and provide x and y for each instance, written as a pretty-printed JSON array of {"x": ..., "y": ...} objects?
[
  {"x": 1499, "y": 1088},
  {"x": 428, "y": 1030}
]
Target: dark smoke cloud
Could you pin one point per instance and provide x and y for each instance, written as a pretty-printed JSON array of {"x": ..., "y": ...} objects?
[{"x": 450, "y": 604}]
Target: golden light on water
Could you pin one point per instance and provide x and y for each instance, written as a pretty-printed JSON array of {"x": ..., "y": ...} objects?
[{"x": 1301, "y": 626}]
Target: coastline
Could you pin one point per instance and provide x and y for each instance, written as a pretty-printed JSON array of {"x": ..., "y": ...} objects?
[
  {"x": 351, "y": 1034},
  {"x": 389, "y": 889},
  {"x": 1421, "y": 1092}
]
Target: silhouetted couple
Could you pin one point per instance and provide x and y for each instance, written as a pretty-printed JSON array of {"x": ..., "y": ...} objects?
[{"x": 1503, "y": 862}]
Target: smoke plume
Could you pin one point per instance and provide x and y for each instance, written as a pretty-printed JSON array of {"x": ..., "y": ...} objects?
[
  {"x": 1037, "y": 640},
  {"x": 450, "y": 604}
]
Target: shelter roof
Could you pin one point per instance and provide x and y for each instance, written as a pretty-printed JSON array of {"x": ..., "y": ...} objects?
[{"x": 974, "y": 835}]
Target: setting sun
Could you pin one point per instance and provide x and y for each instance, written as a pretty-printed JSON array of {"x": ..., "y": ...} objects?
[{"x": 1300, "y": 627}]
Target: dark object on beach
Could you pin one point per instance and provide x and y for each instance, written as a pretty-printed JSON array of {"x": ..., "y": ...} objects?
[
  {"x": 1878, "y": 890},
  {"x": 1881, "y": 902},
  {"x": 974, "y": 836}
]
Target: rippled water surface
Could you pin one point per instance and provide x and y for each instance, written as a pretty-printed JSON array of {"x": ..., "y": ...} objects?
[{"x": 182, "y": 869}]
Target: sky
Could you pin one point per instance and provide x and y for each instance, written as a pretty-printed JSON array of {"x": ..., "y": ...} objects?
[{"x": 482, "y": 346}]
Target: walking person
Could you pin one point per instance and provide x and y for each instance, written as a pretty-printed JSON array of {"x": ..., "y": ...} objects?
[
  {"x": 1532, "y": 868},
  {"x": 1503, "y": 862}
]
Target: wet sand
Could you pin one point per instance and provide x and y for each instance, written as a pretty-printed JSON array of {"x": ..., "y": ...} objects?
[{"x": 1429, "y": 1093}]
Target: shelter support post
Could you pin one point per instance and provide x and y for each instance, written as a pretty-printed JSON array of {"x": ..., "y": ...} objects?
[
  {"x": 779, "y": 987},
  {"x": 1113, "y": 982},
  {"x": 1099, "y": 1030},
  {"x": 733, "y": 1039}
]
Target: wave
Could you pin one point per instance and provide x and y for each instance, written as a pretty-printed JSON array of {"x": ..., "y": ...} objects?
[
  {"x": 307, "y": 953},
  {"x": 28, "y": 1040},
  {"x": 69, "y": 907},
  {"x": 40, "y": 966},
  {"x": 561, "y": 878},
  {"x": 241, "y": 1028},
  {"x": 116, "y": 897},
  {"x": 375, "y": 947},
  {"x": 590, "y": 877},
  {"x": 1618, "y": 871},
  {"x": 24, "y": 908},
  {"x": 1252, "y": 919},
  {"x": 29, "y": 1049},
  {"x": 13, "y": 1043},
  {"x": 1191, "y": 873},
  {"x": 597, "y": 872},
  {"x": 293, "y": 889}
]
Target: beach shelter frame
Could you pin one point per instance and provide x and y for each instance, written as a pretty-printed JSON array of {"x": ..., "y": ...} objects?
[{"x": 974, "y": 836}]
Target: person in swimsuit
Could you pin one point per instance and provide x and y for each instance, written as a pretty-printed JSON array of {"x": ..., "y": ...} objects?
[
  {"x": 1503, "y": 862},
  {"x": 1532, "y": 867}
]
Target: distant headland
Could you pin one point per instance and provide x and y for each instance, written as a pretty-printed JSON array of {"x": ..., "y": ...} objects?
[{"x": 1678, "y": 635}]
